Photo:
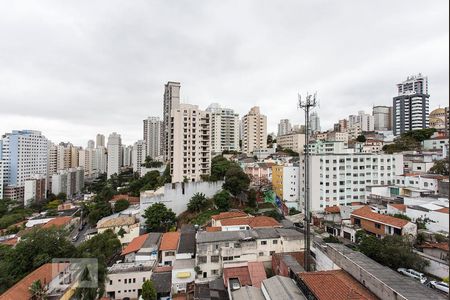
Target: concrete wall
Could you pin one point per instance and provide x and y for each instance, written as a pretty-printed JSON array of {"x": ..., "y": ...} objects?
[
  {"x": 177, "y": 195},
  {"x": 437, "y": 267}
]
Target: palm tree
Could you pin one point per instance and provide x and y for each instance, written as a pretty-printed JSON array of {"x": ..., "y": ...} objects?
[{"x": 37, "y": 291}]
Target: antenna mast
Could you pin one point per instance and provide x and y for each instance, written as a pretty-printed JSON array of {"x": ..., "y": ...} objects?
[{"x": 309, "y": 103}]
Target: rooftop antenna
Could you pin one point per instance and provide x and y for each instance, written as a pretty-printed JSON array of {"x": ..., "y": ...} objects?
[{"x": 309, "y": 103}]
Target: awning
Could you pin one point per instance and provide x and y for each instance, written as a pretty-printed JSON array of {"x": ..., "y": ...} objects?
[{"x": 183, "y": 275}]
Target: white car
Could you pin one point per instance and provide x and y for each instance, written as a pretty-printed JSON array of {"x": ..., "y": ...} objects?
[
  {"x": 439, "y": 285},
  {"x": 413, "y": 274}
]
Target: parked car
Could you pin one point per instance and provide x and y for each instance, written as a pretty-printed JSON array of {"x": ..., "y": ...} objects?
[
  {"x": 413, "y": 274},
  {"x": 439, "y": 285},
  {"x": 75, "y": 237}
]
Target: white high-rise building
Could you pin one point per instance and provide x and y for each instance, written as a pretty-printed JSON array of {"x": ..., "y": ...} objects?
[
  {"x": 171, "y": 101},
  {"x": 52, "y": 159},
  {"x": 87, "y": 161},
  {"x": 114, "y": 154},
  {"x": 224, "y": 128},
  {"x": 254, "y": 131},
  {"x": 366, "y": 121},
  {"x": 138, "y": 155},
  {"x": 100, "y": 140},
  {"x": 314, "y": 122},
  {"x": 127, "y": 156},
  {"x": 382, "y": 116},
  {"x": 24, "y": 154},
  {"x": 90, "y": 144},
  {"x": 152, "y": 136},
  {"x": 411, "y": 106},
  {"x": 101, "y": 159},
  {"x": 341, "y": 178},
  {"x": 69, "y": 182},
  {"x": 190, "y": 151},
  {"x": 284, "y": 127}
]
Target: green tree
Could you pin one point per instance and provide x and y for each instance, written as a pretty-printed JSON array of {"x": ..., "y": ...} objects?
[
  {"x": 148, "y": 290},
  {"x": 401, "y": 216},
  {"x": 104, "y": 247},
  {"x": 219, "y": 167},
  {"x": 274, "y": 214},
  {"x": 393, "y": 251},
  {"x": 38, "y": 291},
  {"x": 222, "y": 200},
  {"x": 53, "y": 204},
  {"x": 252, "y": 198},
  {"x": 236, "y": 181},
  {"x": 61, "y": 196},
  {"x": 121, "y": 205},
  {"x": 159, "y": 218},
  {"x": 197, "y": 202},
  {"x": 440, "y": 167},
  {"x": 331, "y": 239},
  {"x": 361, "y": 138},
  {"x": 121, "y": 232}
]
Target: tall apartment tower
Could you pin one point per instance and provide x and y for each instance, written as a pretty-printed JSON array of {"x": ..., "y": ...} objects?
[
  {"x": 114, "y": 154},
  {"x": 284, "y": 127},
  {"x": 224, "y": 128},
  {"x": 382, "y": 116},
  {"x": 366, "y": 121},
  {"x": 171, "y": 101},
  {"x": 138, "y": 155},
  {"x": 152, "y": 136},
  {"x": 100, "y": 140},
  {"x": 24, "y": 154},
  {"x": 314, "y": 122},
  {"x": 411, "y": 106},
  {"x": 189, "y": 143},
  {"x": 254, "y": 131}
]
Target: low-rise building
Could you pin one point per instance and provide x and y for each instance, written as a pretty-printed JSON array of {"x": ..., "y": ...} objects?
[
  {"x": 168, "y": 248},
  {"x": 293, "y": 141},
  {"x": 381, "y": 225},
  {"x": 142, "y": 248},
  {"x": 183, "y": 273},
  {"x": 216, "y": 220},
  {"x": 125, "y": 226},
  {"x": 249, "y": 223},
  {"x": 215, "y": 249}
]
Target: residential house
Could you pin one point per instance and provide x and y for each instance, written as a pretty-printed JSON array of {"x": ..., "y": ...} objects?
[
  {"x": 243, "y": 274},
  {"x": 381, "y": 225},
  {"x": 125, "y": 226},
  {"x": 168, "y": 248},
  {"x": 216, "y": 220},
  {"x": 249, "y": 223}
]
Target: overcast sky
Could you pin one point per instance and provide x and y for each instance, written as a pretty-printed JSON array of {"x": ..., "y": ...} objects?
[{"x": 73, "y": 69}]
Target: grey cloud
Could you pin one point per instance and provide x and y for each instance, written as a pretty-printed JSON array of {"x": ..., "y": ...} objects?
[{"x": 75, "y": 68}]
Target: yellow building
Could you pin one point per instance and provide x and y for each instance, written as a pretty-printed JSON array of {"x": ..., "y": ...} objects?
[{"x": 277, "y": 180}]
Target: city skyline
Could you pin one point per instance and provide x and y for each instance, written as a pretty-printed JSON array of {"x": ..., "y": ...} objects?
[{"x": 101, "y": 71}]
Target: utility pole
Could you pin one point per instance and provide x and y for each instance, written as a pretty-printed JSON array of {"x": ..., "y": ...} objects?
[{"x": 309, "y": 103}]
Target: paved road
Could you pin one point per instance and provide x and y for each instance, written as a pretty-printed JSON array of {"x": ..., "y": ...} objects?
[{"x": 81, "y": 235}]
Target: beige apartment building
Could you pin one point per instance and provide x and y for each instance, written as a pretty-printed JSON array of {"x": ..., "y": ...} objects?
[
  {"x": 189, "y": 143},
  {"x": 293, "y": 141},
  {"x": 254, "y": 131}
]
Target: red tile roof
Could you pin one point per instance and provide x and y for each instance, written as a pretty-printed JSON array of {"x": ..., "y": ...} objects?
[
  {"x": 253, "y": 222},
  {"x": 10, "y": 242},
  {"x": 441, "y": 246},
  {"x": 135, "y": 244},
  {"x": 163, "y": 269},
  {"x": 257, "y": 273},
  {"x": 401, "y": 207},
  {"x": 333, "y": 209},
  {"x": 241, "y": 273},
  {"x": 335, "y": 285},
  {"x": 44, "y": 273},
  {"x": 229, "y": 215},
  {"x": 366, "y": 212},
  {"x": 169, "y": 241},
  {"x": 58, "y": 222},
  {"x": 132, "y": 200},
  {"x": 213, "y": 228},
  {"x": 444, "y": 210}
]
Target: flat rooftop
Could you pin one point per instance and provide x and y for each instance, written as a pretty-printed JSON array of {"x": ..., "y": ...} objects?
[{"x": 402, "y": 285}]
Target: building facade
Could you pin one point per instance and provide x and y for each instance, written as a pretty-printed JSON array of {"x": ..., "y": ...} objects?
[
  {"x": 189, "y": 143},
  {"x": 224, "y": 129},
  {"x": 171, "y": 101},
  {"x": 114, "y": 154},
  {"x": 138, "y": 155},
  {"x": 411, "y": 106},
  {"x": 284, "y": 127},
  {"x": 152, "y": 136},
  {"x": 382, "y": 117},
  {"x": 69, "y": 182},
  {"x": 293, "y": 141},
  {"x": 254, "y": 131},
  {"x": 24, "y": 154},
  {"x": 314, "y": 122}
]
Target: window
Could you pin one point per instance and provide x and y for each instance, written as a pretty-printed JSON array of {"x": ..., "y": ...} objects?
[
  {"x": 227, "y": 258},
  {"x": 202, "y": 259},
  {"x": 275, "y": 242},
  {"x": 261, "y": 253},
  {"x": 377, "y": 225},
  {"x": 170, "y": 253},
  {"x": 272, "y": 253},
  {"x": 214, "y": 258},
  {"x": 263, "y": 242},
  {"x": 214, "y": 272}
]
